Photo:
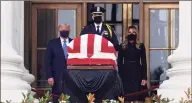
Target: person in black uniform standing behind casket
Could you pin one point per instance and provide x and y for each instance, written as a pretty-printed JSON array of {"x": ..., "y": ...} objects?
[
  {"x": 132, "y": 65},
  {"x": 100, "y": 28}
]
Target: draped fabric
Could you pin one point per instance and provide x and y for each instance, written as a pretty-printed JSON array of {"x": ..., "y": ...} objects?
[
  {"x": 91, "y": 49},
  {"x": 105, "y": 84}
]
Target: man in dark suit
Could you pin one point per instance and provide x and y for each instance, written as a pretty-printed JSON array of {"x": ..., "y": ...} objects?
[
  {"x": 56, "y": 59},
  {"x": 100, "y": 28}
]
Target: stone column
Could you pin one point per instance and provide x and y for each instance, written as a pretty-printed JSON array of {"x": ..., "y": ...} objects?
[
  {"x": 11, "y": 83},
  {"x": 18, "y": 36},
  {"x": 180, "y": 73}
]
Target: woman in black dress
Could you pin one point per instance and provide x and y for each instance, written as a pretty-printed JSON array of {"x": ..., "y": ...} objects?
[{"x": 132, "y": 65}]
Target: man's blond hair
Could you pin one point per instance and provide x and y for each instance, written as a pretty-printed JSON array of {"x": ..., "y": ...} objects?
[{"x": 64, "y": 26}]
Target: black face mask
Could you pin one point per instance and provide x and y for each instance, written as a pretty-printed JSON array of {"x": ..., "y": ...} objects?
[
  {"x": 132, "y": 37},
  {"x": 98, "y": 19},
  {"x": 64, "y": 33}
]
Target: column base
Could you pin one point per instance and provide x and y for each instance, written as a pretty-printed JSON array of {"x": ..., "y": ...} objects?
[
  {"x": 179, "y": 75},
  {"x": 29, "y": 78},
  {"x": 175, "y": 94},
  {"x": 178, "y": 83},
  {"x": 12, "y": 86},
  {"x": 14, "y": 95}
]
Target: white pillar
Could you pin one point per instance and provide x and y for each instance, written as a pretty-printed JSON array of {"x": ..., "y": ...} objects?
[
  {"x": 11, "y": 83},
  {"x": 180, "y": 73},
  {"x": 18, "y": 37}
]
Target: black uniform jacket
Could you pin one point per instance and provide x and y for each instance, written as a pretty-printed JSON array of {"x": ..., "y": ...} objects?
[{"x": 106, "y": 31}]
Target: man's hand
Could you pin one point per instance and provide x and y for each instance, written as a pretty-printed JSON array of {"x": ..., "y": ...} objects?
[
  {"x": 51, "y": 81},
  {"x": 143, "y": 82}
]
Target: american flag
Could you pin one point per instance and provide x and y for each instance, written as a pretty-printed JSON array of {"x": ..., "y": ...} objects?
[{"x": 91, "y": 49}]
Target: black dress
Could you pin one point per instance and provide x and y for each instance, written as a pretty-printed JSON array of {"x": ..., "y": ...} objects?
[{"x": 132, "y": 70}]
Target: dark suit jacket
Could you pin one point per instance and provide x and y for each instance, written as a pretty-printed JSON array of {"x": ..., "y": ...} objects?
[
  {"x": 55, "y": 61},
  {"x": 90, "y": 29}
]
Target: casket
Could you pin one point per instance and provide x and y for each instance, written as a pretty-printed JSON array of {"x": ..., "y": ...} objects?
[{"x": 91, "y": 51}]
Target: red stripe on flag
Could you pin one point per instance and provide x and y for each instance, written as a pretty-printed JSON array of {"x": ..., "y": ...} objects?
[
  {"x": 91, "y": 61},
  {"x": 70, "y": 50},
  {"x": 105, "y": 48},
  {"x": 76, "y": 46},
  {"x": 90, "y": 45}
]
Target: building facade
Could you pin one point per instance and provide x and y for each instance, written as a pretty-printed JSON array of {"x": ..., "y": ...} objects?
[{"x": 164, "y": 26}]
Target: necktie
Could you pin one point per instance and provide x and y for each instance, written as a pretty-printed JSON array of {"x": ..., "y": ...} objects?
[
  {"x": 65, "y": 48},
  {"x": 97, "y": 30}
]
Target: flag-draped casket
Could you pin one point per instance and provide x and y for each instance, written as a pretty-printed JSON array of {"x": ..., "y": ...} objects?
[{"x": 91, "y": 49}]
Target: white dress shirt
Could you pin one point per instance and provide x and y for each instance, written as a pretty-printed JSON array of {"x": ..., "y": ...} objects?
[
  {"x": 100, "y": 25},
  {"x": 62, "y": 41}
]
